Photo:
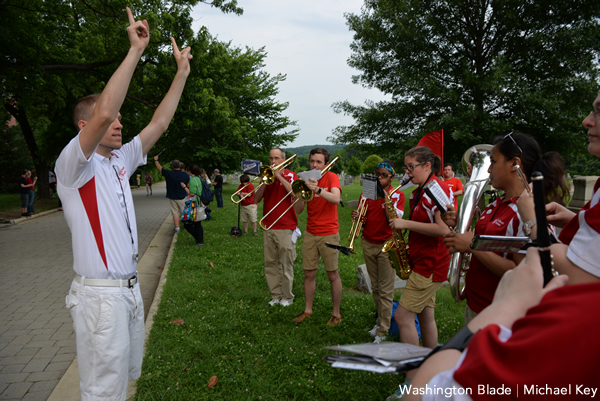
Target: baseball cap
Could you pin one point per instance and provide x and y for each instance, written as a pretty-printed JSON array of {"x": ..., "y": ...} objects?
[{"x": 217, "y": 170}]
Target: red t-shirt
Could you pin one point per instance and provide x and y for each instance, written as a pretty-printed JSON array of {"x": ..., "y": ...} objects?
[
  {"x": 376, "y": 229},
  {"x": 428, "y": 255},
  {"x": 272, "y": 195},
  {"x": 29, "y": 181},
  {"x": 323, "y": 215},
  {"x": 455, "y": 185},
  {"x": 554, "y": 345},
  {"x": 249, "y": 200},
  {"x": 499, "y": 218}
]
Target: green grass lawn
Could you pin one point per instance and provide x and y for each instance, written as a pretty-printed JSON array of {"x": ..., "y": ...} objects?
[
  {"x": 257, "y": 352},
  {"x": 10, "y": 205}
]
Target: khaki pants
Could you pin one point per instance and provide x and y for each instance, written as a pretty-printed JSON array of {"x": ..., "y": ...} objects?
[
  {"x": 280, "y": 253},
  {"x": 383, "y": 277}
]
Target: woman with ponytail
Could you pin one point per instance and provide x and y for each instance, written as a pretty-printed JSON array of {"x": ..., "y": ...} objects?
[
  {"x": 501, "y": 217},
  {"x": 428, "y": 257}
]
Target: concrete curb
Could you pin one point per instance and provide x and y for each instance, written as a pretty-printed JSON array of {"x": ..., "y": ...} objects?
[
  {"x": 67, "y": 388},
  {"x": 24, "y": 219}
]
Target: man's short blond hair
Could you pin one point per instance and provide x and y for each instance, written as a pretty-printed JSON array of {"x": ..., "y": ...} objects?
[{"x": 84, "y": 108}]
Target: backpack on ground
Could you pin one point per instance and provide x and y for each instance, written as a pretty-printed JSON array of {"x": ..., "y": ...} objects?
[{"x": 207, "y": 195}]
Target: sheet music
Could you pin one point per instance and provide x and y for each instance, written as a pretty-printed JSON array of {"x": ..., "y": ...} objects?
[
  {"x": 439, "y": 197},
  {"x": 370, "y": 186},
  {"x": 306, "y": 175}
]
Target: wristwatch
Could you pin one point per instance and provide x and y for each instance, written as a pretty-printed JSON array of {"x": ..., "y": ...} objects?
[
  {"x": 528, "y": 226},
  {"x": 319, "y": 191}
]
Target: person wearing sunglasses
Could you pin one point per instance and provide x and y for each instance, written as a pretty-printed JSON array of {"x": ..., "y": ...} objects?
[
  {"x": 501, "y": 217},
  {"x": 428, "y": 256},
  {"x": 376, "y": 231}
]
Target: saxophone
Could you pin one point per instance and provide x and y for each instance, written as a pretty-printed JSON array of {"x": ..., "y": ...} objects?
[{"x": 396, "y": 247}]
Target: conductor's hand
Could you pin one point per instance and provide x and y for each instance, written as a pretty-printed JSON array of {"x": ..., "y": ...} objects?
[
  {"x": 182, "y": 58},
  {"x": 558, "y": 215},
  {"x": 312, "y": 184},
  {"x": 456, "y": 242},
  {"x": 138, "y": 32},
  {"x": 522, "y": 288},
  {"x": 156, "y": 158},
  {"x": 450, "y": 217}
]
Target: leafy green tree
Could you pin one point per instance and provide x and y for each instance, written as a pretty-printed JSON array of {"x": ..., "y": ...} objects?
[
  {"x": 56, "y": 51},
  {"x": 338, "y": 167},
  {"x": 354, "y": 166},
  {"x": 475, "y": 68},
  {"x": 368, "y": 167}
]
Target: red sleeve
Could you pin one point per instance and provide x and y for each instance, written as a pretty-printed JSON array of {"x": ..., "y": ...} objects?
[{"x": 552, "y": 346}]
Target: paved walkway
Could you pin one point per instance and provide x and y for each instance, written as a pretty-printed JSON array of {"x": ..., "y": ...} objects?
[{"x": 37, "y": 343}]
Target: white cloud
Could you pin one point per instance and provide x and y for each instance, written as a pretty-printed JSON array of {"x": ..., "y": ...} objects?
[{"x": 307, "y": 40}]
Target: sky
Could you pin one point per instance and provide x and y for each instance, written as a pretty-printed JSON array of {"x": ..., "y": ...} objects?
[{"x": 308, "y": 41}]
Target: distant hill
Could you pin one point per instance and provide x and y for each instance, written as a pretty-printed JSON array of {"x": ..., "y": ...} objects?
[{"x": 305, "y": 150}]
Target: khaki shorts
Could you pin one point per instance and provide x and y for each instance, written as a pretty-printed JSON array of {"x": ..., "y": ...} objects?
[
  {"x": 419, "y": 293},
  {"x": 177, "y": 206},
  {"x": 248, "y": 213},
  {"x": 314, "y": 248}
]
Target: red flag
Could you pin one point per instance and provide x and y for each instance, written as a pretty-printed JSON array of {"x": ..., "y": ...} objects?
[{"x": 435, "y": 141}]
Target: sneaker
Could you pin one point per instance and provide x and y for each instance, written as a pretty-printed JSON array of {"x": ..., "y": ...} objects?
[
  {"x": 373, "y": 331},
  {"x": 334, "y": 320},
  {"x": 255, "y": 234},
  {"x": 283, "y": 302},
  {"x": 398, "y": 394},
  {"x": 245, "y": 233},
  {"x": 177, "y": 230},
  {"x": 274, "y": 302},
  {"x": 301, "y": 317},
  {"x": 378, "y": 339},
  {"x": 198, "y": 244}
]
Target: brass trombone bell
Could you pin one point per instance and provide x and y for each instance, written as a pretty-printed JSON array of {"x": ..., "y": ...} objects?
[
  {"x": 266, "y": 176},
  {"x": 300, "y": 191}
]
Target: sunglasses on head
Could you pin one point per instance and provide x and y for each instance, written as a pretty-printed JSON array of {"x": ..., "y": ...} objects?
[{"x": 509, "y": 135}]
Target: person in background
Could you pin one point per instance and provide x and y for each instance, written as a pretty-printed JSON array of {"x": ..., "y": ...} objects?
[
  {"x": 456, "y": 185},
  {"x": 148, "y": 180},
  {"x": 218, "y": 184},
  {"x": 175, "y": 192},
  {"x": 248, "y": 205},
  {"x": 30, "y": 209},
  {"x": 51, "y": 183},
  {"x": 24, "y": 192},
  {"x": 194, "y": 188}
]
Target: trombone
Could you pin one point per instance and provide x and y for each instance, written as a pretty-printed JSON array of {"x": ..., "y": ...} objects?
[
  {"x": 266, "y": 176},
  {"x": 300, "y": 191}
]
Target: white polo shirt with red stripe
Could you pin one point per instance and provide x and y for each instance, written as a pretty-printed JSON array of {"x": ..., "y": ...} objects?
[
  {"x": 582, "y": 234},
  {"x": 99, "y": 210}
]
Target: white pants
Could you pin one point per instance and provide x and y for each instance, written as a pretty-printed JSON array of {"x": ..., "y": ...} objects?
[{"x": 109, "y": 335}]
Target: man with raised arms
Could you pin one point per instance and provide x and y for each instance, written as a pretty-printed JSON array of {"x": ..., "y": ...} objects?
[{"x": 92, "y": 173}]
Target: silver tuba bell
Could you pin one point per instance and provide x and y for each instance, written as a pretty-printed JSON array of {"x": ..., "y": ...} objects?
[{"x": 475, "y": 163}]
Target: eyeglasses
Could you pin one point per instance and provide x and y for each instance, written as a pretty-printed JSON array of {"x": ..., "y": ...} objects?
[
  {"x": 382, "y": 175},
  {"x": 412, "y": 168},
  {"x": 509, "y": 135}
]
